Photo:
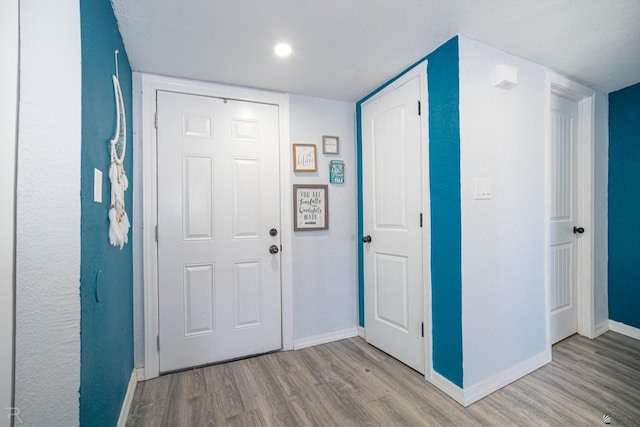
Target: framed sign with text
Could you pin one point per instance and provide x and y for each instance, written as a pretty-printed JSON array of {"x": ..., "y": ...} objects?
[
  {"x": 304, "y": 158},
  {"x": 311, "y": 207}
]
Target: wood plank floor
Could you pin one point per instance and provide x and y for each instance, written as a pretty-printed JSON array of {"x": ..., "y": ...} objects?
[{"x": 350, "y": 383}]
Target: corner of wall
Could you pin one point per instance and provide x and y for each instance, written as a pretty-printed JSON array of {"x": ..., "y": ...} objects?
[
  {"x": 446, "y": 233},
  {"x": 106, "y": 289}
]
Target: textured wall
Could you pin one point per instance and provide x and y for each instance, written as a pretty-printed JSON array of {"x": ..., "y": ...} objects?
[
  {"x": 48, "y": 215},
  {"x": 325, "y": 293},
  {"x": 444, "y": 176},
  {"x": 502, "y": 134},
  {"x": 624, "y": 205},
  {"x": 8, "y": 126},
  {"x": 106, "y": 271}
]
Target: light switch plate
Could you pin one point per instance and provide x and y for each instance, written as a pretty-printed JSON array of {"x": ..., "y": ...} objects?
[
  {"x": 97, "y": 185},
  {"x": 482, "y": 188}
]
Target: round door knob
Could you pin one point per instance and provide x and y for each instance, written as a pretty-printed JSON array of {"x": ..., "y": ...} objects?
[
  {"x": 273, "y": 249},
  {"x": 273, "y": 232},
  {"x": 578, "y": 230},
  {"x": 366, "y": 239}
]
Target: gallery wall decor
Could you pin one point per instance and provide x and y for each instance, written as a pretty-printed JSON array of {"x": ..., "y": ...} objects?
[
  {"x": 118, "y": 220},
  {"x": 330, "y": 144},
  {"x": 336, "y": 171},
  {"x": 311, "y": 207},
  {"x": 304, "y": 158}
]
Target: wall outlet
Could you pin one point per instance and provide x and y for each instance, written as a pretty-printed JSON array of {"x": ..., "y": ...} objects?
[{"x": 483, "y": 188}]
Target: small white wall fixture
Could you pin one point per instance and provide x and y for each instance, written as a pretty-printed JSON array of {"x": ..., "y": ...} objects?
[
  {"x": 505, "y": 76},
  {"x": 145, "y": 249},
  {"x": 585, "y": 98}
]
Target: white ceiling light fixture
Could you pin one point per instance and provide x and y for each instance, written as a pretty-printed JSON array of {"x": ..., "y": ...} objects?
[{"x": 282, "y": 50}]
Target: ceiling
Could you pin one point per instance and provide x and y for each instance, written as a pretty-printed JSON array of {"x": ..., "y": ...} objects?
[{"x": 344, "y": 49}]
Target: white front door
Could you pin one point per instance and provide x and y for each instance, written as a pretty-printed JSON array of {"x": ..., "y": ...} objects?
[
  {"x": 562, "y": 265},
  {"x": 218, "y": 211},
  {"x": 392, "y": 208}
]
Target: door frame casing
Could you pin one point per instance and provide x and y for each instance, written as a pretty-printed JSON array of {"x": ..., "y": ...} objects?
[
  {"x": 584, "y": 199},
  {"x": 145, "y": 204},
  {"x": 421, "y": 71}
]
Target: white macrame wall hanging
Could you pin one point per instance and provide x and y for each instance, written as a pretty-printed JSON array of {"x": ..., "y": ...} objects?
[{"x": 118, "y": 220}]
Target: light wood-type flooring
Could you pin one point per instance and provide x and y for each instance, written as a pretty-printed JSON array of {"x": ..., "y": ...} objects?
[{"x": 350, "y": 383}]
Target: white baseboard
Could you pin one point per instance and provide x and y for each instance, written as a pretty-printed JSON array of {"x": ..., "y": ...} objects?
[
  {"x": 601, "y": 328},
  {"x": 452, "y": 390},
  {"x": 128, "y": 398},
  {"x": 472, "y": 394},
  {"x": 501, "y": 379},
  {"x": 361, "y": 333},
  {"x": 325, "y": 338},
  {"x": 139, "y": 373},
  {"x": 624, "y": 329}
]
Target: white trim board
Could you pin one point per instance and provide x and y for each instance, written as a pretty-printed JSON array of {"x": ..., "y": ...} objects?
[
  {"x": 145, "y": 250},
  {"x": 472, "y": 394},
  {"x": 325, "y": 338},
  {"x": 128, "y": 398},
  {"x": 624, "y": 329}
]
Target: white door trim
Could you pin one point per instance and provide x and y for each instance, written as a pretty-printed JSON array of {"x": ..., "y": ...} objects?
[
  {"x": 145, "y": 204},
  {"x": 585, "y": 98},
  {"x": 421, "y": 71}
]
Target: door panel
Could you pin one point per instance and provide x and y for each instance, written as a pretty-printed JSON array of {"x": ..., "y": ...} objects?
[
  {"x": 391, "y": 290},
  {"x": 392, "y": 204},
  {"x": 197, "y": 208},
  {"x": 246, "y": 198},
  {"x": 218, "y": 197},
  {"x": 563, "y": 316},
  {"x": 389, "y": 192},
  {"x": 198, "y": 299}
]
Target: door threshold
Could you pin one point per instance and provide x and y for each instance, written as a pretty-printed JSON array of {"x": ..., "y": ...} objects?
[{"x": 222, "y": 362}]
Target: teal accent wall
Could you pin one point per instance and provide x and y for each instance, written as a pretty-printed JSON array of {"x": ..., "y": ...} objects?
[
  {"x": 106, "y": 286},
  {"x": 624, "y": 205},
  {"x": 446, "y": 238},
  {"x": 444, "y": 165}
]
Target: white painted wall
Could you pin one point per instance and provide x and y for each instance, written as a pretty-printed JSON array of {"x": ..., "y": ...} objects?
[
  {"x": 8, "y": 127},
  {"x": 503, "y": 284},
  {"x": 601, "y": 203},
  {"x": 325, "y": 263},
  {"x": 47, "y": 377}
]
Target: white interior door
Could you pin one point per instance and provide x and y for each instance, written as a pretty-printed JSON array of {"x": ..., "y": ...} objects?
[
  {"x": 562, "y": 265},
  {"x": 392, "y": 204},
  {"x": 218, "y": 202}
]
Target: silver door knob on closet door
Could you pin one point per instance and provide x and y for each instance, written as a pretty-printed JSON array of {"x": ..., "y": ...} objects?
[{"x": 273, "y": 249}]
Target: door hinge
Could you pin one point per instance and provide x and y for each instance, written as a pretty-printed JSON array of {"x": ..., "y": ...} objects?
[
  {"x": 422, "y": 328},
  {"x": 419, "y": 108},
  {"x": 157, "y": 234},
  {"x": 156, "y": 120},
  {"x": 420, "y": 219},
  {"x": 158, "y": 341}
]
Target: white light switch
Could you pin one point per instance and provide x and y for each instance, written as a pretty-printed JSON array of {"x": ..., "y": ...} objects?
[
  {"x": 97, "y": 185},
  {"x": 482, "y": 188}
]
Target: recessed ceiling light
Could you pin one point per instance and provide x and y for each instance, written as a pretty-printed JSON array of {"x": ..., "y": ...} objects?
[{"x": 283, "y": 50}]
